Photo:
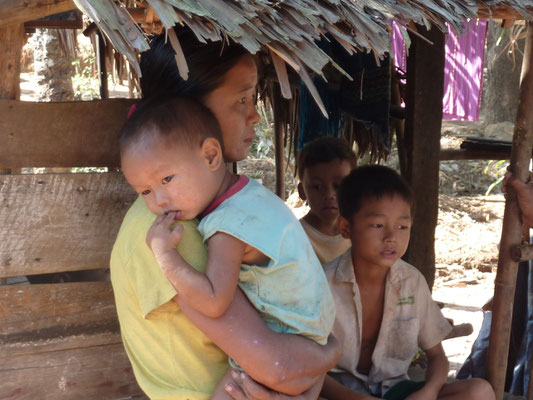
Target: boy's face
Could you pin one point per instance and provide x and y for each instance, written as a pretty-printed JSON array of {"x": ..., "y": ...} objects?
[
  {"x": 319, "y": 187},
  {"x": 171, "y": 178},
  {"x": 379, "y": 232}
]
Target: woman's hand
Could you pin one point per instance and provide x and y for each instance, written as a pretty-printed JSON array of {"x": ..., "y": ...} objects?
[
  {"x": 286, "y": 362},
  {"x": 244, "y": 387}
]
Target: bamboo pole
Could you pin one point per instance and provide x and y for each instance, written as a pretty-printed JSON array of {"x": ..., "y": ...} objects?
[{"x": 504, "y": 288}]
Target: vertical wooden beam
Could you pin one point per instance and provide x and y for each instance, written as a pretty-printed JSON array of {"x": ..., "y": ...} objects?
[
  {"x": 12, "y": 40},
  {"x": 102, "y": 68},
  {"x": 504, "y": 287},
  {"x": 530, "y": 383},
  {"x": 278, "y": 110},
  {"x": 425, "y": 86},
  {"x": 280, "y": 162}
]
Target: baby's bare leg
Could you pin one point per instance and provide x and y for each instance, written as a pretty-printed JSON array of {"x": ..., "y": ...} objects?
[{"x": 220, "y": 393}]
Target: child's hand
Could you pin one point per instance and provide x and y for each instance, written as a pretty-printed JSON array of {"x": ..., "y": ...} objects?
[{"x": 160, "y": 238}]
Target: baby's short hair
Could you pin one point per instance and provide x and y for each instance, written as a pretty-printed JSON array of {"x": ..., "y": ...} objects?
[
  {"x": 370, "y": 182},
  {"x": 174, "y": 120},
  {"x": 323, "y": 150}
]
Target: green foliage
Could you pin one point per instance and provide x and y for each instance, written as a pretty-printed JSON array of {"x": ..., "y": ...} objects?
[
  {"x": 496, "y": 169},
  {"x": 84, "y": 82},
  {"x": 263, "y": 144}
]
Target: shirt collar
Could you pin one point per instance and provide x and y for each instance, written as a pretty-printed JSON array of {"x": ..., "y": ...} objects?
[{"x": 345, "y": 272}]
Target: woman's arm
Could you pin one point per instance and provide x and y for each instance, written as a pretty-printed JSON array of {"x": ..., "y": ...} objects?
[
  {"x": 286, "y": 363},
  {"x": 243, "y": 387}
]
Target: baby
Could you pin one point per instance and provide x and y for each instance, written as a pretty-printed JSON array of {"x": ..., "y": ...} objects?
[{"x": 171, "y": 154}]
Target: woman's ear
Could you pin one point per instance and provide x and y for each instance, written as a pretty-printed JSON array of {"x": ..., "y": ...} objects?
[
  {"x": 344, "y": 227},
  {"x": 212, "y": 153},
  {"x": 301, "y": 191}
]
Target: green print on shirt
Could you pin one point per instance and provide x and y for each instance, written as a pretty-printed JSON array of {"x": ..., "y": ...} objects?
[{"x": 406, "y": 300}]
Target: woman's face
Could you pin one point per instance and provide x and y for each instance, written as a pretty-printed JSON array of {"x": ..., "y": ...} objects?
[{"x": 233, "y": 103}]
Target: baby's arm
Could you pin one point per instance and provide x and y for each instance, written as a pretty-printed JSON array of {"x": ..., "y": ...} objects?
[
  {"x": 436, "y": 374},
  {"x": 210, "y": 293}
]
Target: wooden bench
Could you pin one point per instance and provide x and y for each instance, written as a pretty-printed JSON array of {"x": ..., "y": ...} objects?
[{"x": 61, "y": 341}]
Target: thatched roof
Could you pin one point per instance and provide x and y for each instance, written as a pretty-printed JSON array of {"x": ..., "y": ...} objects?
[
  {"x": 290, "y": 26},
  {"x": 287, "y": 29},
  {"x": 288, "y": 32}
]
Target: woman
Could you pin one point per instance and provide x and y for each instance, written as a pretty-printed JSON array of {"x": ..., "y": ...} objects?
[{"x": 163, "y": 337}]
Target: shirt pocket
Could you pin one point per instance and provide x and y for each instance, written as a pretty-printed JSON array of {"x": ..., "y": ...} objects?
[{"x": 402, "y": 338}]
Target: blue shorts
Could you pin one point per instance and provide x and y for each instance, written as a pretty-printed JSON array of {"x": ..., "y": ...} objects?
[{"x": 403, "y": 389}]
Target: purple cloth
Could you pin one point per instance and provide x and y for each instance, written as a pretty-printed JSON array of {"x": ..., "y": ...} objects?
[{"x": 463, "y": 69}]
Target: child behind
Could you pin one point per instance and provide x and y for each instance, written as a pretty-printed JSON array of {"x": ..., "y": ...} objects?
[
  {"x": 385, "y": 299},
  {"x": 171, "y": 153},
  {"x": 322, "y": 164}
]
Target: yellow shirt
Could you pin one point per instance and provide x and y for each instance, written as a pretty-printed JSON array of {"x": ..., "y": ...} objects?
[
  {"x": 171, "y": 358},
  {"x": 326, "y": 247}
]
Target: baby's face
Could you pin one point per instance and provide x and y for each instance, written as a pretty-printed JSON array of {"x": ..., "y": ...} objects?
[
  {"x": 170, "y": 178},
  {"x": 320, "y": 184},
  {"x": 380, "y": 231}
]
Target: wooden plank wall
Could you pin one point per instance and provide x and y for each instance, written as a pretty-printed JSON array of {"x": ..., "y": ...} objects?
[{"x": 61, "y": 341}]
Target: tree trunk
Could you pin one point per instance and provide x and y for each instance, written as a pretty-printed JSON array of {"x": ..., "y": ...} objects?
[
  {"x": 52, "y": 66},
  {"x": 502, "y": 81}
]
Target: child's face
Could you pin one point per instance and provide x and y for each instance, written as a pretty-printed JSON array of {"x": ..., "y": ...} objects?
[
  {"x": 172, "y": 178},
  {"x": 319, "y": 187},
  {"x": 379, "y": 232}
]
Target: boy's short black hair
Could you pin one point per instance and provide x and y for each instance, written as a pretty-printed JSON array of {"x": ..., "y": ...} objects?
[
  {"x": 370, "y": 182},
  {"x": 323, "y": 150},
  {"x": 175, "y": 120}
]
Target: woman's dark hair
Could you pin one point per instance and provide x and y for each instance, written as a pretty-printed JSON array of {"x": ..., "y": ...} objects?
[
  {"x": 208, "y": 63},
  {"x": 324, "y": 150},
  {"x": 370, "y": 182}
]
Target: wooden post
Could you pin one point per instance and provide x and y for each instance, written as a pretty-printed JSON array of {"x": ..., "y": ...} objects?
[
  {"x": 504, "y": 288},
  {"x": 12, "y": 38},
  {"x": 279, "y": 132},
  {"x": 425, "y": 86},
  {"x": 530, "y": 384},
  {"x": 102, "y": 68}
]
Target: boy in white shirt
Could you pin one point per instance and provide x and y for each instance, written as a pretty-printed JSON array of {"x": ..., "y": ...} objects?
[{"x": 385, "y": 312}]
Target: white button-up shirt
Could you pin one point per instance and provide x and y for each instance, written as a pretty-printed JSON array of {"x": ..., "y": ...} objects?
[{"x": 411, "y": 319}]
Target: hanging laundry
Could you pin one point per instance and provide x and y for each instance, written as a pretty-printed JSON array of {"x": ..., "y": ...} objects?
[{"x": 463, "y": 69}]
